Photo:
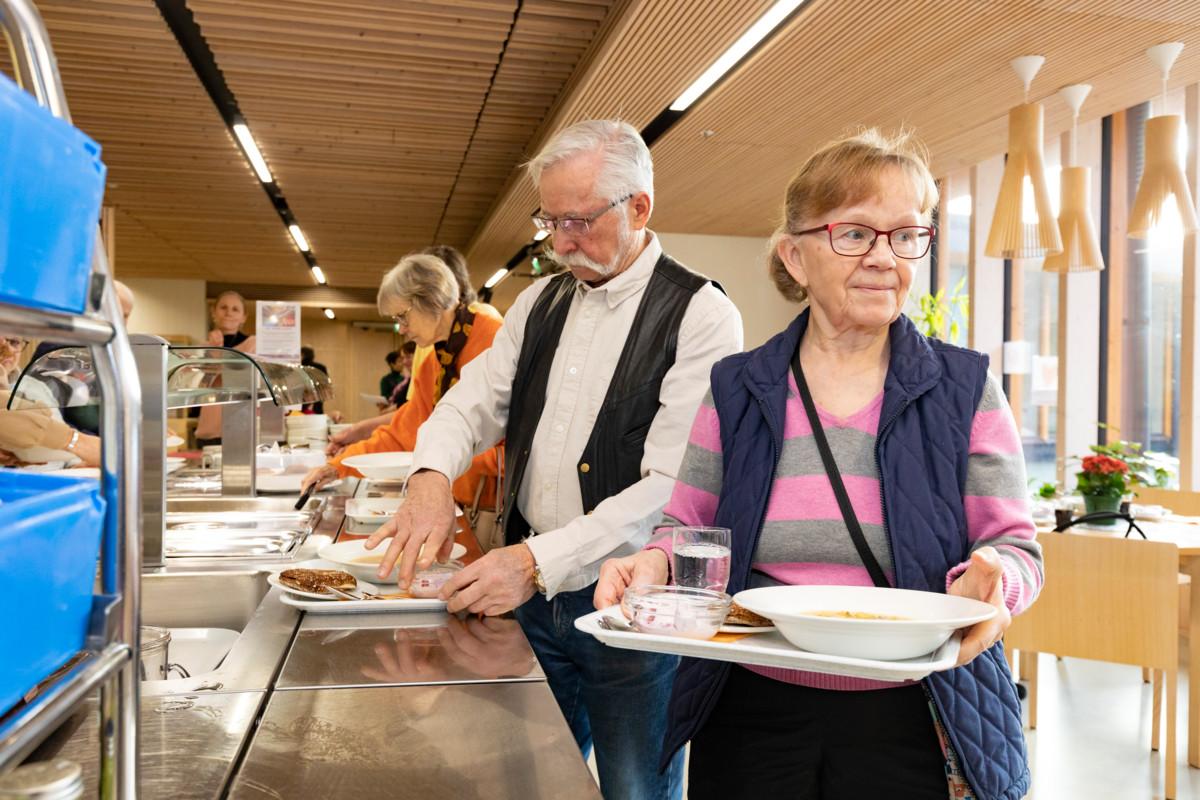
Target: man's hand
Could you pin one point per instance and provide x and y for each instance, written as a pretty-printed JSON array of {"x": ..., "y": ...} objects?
[
  {"x": 425, "y": 518},
  {"x": 493, "y": 585},
  {"x": 618, "y": 574},
  {"x": 318, "y": 477},
  {"x": 982, "y": 580}
]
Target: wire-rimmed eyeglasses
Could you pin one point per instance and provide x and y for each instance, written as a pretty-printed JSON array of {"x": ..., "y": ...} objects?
[{"x": 574, "y": 226}]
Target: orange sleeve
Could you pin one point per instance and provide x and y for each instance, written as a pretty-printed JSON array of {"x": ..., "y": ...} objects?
[{"x": 400, "y": 434}]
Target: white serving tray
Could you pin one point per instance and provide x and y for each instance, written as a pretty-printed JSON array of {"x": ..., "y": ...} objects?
[{"x": 771, "y": 650}]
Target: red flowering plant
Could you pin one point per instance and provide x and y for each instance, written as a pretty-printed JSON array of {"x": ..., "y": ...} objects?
[{"x": 1103, "y": 476}]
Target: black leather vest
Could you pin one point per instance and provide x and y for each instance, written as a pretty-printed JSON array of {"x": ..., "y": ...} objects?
[{"x": 612, "y": 459}]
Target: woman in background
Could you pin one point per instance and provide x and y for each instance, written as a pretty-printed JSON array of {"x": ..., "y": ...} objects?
[{"x": 228, "y": 317}]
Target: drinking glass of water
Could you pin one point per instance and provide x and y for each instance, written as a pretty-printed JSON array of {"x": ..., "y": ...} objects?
[{"x": 701, "y": 557}]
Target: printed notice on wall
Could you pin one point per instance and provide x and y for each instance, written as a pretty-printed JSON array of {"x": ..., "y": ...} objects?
[{"x": 277, "y": 333}]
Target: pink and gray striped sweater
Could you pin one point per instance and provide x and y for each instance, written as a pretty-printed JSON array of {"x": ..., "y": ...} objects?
[{"x": 804, "y": 539}]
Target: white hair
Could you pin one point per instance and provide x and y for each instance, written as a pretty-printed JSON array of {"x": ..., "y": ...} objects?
[
  {"x": 626, "y": 166},
  {"x": 421, "y": 279}
]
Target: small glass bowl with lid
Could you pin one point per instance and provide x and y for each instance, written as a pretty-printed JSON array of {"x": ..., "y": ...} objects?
[{"x": 676, "y": 610}]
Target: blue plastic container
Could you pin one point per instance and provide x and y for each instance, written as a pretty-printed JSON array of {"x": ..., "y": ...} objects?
[
  {"x": 50, "y": 530},
  {"x": 51, "y": 186}
]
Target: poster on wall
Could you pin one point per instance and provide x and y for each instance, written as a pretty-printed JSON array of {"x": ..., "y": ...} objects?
[{"x": 277, "y": 333}]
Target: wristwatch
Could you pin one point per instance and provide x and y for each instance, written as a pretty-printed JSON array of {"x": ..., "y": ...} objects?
[{"x": 539, "y": 582}]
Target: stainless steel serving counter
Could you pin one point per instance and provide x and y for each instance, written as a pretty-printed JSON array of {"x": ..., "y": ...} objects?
[
  {"x": 485, "y": 742},
  {"x": 399, "y": 649},
  {"x": 347, "y": 705},
  {"x": 189, "y": 744}
]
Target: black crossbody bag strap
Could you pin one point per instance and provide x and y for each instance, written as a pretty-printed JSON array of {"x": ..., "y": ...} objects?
[{"x": 835, "y": 478}]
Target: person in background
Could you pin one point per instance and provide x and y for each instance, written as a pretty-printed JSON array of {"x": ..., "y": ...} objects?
[
  {"x": 934, "y": 499},
  {"x": 29, "y": 430},
  {"x": 592, "y": 384},
  {"x": 394, "y": 376},
  {"x": 87, "y": 418},
  {"x": 399, "y": 395},
  {"x": 228, "y": 316},
  {"x": 422, "y": 296},
  {"x": 307, "y": 356}
]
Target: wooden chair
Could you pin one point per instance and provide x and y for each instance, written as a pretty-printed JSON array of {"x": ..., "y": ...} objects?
[
  {"x": 1185, "y": 503},
  {"x": 1108, "y": 599}
]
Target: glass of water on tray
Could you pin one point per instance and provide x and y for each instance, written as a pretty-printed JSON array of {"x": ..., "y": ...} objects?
[{"x": 701, "y": 557}]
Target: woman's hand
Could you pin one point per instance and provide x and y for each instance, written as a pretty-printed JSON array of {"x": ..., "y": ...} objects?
[
  {"x": 87, "y": 448},
  {"x": 618, "y": 574},
  {"x": 982, "y": 580},
  {"x": 318, "y": 477},
  {"x": 216, "y": 338}
]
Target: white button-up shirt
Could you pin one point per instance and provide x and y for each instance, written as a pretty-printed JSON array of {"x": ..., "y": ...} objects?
[{"x": 570, "y": 546}]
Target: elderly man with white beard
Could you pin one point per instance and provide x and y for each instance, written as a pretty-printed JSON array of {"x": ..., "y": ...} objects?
[{"x": 592, "y": 383}]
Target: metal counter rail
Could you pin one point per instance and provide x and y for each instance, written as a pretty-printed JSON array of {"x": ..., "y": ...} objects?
[{"x": 21, "y": 734}]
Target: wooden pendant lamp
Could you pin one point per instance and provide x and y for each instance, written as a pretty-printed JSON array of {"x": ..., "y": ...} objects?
[
  {"x": 1081, "y": 247},
  {"x": 1163, "y": 174},
  {"x": 1010, "y": 235}
]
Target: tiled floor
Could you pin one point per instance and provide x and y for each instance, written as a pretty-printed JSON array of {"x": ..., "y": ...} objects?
[{"x": 1093, "y": 736}]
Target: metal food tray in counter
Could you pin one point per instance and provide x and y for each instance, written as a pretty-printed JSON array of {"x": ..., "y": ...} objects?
[{"x": 769, "y": 650}]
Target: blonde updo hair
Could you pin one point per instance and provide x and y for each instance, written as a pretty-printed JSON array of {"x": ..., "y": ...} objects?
[
  {"x": 844, "y": 172},
  {"x": 423, "y": 280}
]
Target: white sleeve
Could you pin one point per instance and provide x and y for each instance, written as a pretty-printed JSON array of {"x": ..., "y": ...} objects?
[
  {"x": 710, "y": 330},
  {"x": 472, "y": 416}
]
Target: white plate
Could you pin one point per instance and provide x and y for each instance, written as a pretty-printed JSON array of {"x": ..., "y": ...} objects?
[
  {"x": 273, "y": 579},
  {"x": 377, "y": 509},
  {"x": 381, "y": 466},
  {"x": 175, "y": 441},
  {"x": 174, "y": 463},
  {"x": 343, "y": 554},
  {"x": 928, "y": 618},
  {"x": 287, "y": 483},
  {"x": 746, "y": 629},
  {"x": 772, "y": 650},
  {"x": 362, "y": 606}
]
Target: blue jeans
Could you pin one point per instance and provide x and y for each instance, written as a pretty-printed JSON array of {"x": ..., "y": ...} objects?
[{"x": 615, "y": 699}]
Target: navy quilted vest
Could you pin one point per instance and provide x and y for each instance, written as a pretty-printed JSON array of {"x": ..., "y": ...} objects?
[{"x": 930, "y": 396}]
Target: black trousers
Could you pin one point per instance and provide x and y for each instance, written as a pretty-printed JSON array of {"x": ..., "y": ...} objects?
[{"x": 769, "y": 739}]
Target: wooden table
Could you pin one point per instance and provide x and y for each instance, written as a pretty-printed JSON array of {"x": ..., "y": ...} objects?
[{"x": 1185, "y": 536}]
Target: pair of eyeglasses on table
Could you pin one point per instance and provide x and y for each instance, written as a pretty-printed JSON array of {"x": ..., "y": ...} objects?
[{"x": 1102, "y": 516}]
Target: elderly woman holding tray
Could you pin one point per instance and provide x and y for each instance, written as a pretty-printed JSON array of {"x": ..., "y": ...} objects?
[{"x": 852, "y": 450}]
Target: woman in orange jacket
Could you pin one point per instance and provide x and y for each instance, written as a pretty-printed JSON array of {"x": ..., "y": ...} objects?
[{"x": 422, "y": 296}]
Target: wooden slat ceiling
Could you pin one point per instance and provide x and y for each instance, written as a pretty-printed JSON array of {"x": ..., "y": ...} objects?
[
  {"x": 391, "y": 126},
  {"x": 188, "y": 204},
  {"x": 947, "y": 76},
  {"x": 938, "y": 66}
]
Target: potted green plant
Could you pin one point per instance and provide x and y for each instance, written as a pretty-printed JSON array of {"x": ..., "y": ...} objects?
[
  {"x": 1103, "y": 481},
  {"x": 938, "y": 315}
]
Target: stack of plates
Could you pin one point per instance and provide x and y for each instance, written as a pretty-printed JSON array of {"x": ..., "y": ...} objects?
[{"x": 307, "y": 429}]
